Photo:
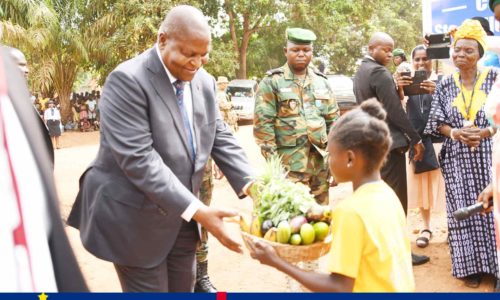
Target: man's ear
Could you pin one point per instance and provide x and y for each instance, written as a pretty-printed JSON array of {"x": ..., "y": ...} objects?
[
  {"x": 285, "y": 50},
  {"x": 162, "y": 39}
]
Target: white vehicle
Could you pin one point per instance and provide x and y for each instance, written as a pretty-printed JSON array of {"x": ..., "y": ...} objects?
[
  {"x": 342, "y": 87},
  {"x": 242, "y": 94}
]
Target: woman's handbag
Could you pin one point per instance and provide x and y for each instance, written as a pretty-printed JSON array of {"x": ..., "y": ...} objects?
[{"x": 429, "y": 162}]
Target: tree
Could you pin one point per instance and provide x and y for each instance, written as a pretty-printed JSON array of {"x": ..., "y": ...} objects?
[
  {"x": 242, "y": 19},
  {"x": 117, "y": 30},
  {"x": 50, "y": 37}
]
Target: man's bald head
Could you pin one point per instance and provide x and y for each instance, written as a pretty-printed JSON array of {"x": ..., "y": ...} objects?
[
  {"x": 184, "y": 41},
  {"x": 380, "y": 47},
  {"x": 379, "y": 38},
  {"x": 20, "y": 60},
  {"x": 183, "y": 21}
]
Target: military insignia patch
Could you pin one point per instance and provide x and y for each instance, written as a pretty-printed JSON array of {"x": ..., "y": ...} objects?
[{"x": 292, "y": 104}]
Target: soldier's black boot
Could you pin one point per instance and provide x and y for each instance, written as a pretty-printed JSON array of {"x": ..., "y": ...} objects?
[{"x": 203, "y": 284}]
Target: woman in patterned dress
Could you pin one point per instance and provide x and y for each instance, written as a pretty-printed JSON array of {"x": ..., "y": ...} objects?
[{"x": 457, "y": 113}]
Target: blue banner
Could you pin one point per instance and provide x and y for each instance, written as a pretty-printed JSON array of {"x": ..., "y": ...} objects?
[{"x": 448, "y": 13}]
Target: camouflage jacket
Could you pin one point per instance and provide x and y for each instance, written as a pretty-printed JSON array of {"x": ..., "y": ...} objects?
[
  {"x": 292, "y": 115},
  {"x": 226, "y": 109}
]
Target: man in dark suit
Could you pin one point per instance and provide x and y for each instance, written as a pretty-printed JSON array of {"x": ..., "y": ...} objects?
[
  {"x": 373, "y": 80},
  {"x": 138, "y": 204},
  {"x": 39, "y": 257}
]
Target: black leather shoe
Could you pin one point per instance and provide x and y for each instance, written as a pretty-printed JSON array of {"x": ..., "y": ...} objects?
[
  {"x": 203, "y": 284},
  {"x": 417, "y": 260}
]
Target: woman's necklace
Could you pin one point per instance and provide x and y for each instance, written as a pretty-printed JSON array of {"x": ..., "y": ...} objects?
[{"x": 421, "y": 102}]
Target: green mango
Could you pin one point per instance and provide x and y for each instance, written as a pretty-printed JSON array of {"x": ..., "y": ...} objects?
[{"x": 284, "y": 232}]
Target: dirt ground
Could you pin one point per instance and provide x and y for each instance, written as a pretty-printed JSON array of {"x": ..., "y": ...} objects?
[{"x": 230, "y": 271}]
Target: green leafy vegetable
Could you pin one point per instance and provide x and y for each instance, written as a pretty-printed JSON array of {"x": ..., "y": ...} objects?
[{"x": 277, "y": 197}]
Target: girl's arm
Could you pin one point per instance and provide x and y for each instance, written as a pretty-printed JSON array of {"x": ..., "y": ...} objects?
[{"x": 316, "y": 282}]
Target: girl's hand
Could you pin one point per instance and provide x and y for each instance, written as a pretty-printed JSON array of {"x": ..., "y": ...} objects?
[
  {"x": 429, "y": 86},
  {"x": 263, "y": 252}
]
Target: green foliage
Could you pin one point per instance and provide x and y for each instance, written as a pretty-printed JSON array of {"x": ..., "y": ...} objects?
[
  {"x": 278, "y": 198},
  {"x": 223, "y": 61},
  {"x": 64, "y": 37}
]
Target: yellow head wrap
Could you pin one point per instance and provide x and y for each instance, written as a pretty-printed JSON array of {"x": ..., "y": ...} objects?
[{"x": 471, "y": 29}]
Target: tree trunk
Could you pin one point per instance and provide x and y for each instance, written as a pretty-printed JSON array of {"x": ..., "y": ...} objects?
[
  {"x": 64, "y": 77},
  {"x": 242, "y": 59}
]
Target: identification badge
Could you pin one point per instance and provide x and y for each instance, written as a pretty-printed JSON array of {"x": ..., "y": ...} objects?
[
  {"x": 292, "y": 104},
  {"x": 318, "y": 103},
  {"x": 468, "y": 123},
  {"x": 286, "y": 90}
]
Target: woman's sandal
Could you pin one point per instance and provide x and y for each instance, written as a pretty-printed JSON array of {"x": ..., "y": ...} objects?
[
  {"x": 472, "y": 281},
  {"x": 423, "y": 240}
]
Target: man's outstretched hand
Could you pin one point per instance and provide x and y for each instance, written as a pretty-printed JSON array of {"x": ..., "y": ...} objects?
[{"x": 212, "y": 220}]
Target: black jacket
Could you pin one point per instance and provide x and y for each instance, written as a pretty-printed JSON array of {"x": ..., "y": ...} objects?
[
  {"x": 418, "y": 108},
  {"x": 373, "y": 80}
]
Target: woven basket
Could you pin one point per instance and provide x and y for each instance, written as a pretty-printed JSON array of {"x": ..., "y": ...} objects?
[{"x": 292, "y": 253}]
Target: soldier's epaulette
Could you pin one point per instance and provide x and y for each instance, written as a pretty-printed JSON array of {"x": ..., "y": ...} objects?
[
  {"x": 275, "y": 71},
  {"x": 317, "y": 72}
]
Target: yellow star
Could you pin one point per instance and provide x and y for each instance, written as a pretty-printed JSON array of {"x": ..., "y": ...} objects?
[{"x": 42, "y": 296}]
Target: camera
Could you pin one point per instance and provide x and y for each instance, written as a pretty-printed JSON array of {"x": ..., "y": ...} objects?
[
  {"x": 439, "y": 46},
  {"x": 414, "y": 88}
]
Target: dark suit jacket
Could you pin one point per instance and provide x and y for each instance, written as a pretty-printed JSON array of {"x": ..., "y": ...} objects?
[
  {"x": 373, "y": 80},
  {"x": 131, "y": 198},
  {"x": 66, "y": 270}
]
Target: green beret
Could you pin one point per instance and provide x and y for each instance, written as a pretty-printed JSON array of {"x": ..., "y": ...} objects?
[
  {"x": 399, "y": 52},
  {"x": 300, "y": 36},
  {"x": 494, "y": 3}
]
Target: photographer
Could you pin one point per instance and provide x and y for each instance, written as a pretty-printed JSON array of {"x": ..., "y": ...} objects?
[{"x": 425, "y": 181}]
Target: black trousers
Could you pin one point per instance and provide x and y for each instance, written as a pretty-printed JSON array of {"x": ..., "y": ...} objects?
[{"x": 394, "y": 174}]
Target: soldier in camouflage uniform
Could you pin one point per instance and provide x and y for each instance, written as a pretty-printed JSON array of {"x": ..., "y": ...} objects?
[
  {"x": 225, "y": 105},
  {"x": 203, "y": 284},
  {"x": 294, "y": 111}
]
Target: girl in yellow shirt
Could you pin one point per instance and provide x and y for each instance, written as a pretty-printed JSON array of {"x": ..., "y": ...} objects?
[{"x": 370, "y": 249}]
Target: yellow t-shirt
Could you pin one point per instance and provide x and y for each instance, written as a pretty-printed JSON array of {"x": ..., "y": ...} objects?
[{"x": 370, "y": 243}]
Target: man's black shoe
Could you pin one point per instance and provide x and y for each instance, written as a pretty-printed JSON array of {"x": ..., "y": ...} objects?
[{"x": 417, "y": 260}]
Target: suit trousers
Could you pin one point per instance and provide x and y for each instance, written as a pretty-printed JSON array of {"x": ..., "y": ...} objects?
[
  {"x": 394, "y": 174},
  {"x": 176, "y": 273}
]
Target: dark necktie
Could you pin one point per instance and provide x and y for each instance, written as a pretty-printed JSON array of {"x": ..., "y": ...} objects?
[{"x": 179, "y": 92}]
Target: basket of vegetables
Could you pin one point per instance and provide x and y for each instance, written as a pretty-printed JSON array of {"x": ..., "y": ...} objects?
[{"x": 286, "y": 216}]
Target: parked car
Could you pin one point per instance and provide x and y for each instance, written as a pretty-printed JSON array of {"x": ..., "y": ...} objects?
[
  {"x": 242, "y": 95},
  {"x": 342, "y": 87}
]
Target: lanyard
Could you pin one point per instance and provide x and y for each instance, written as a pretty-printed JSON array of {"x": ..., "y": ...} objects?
[{"x": 467, "y": 108}]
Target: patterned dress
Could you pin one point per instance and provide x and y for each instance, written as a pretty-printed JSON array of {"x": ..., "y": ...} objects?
[{"x": 466, "y": 173}]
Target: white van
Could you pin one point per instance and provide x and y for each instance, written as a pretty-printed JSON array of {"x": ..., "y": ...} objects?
[{"x": 242, "y": 92}]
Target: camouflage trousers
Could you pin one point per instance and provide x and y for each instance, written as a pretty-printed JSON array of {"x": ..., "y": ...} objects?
[
  {"x": 231, "y": 119},
  {"x": 318, "y": 184},
  {"x": 207, "y": 186}
]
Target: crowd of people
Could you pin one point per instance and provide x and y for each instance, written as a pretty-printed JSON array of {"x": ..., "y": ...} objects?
[{"x": 142, "y": 200}]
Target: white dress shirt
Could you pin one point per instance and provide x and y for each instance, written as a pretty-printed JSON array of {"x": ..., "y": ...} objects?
[
  {"x": 52, "y": 114},
  {"x": 188, "y": 214}
]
